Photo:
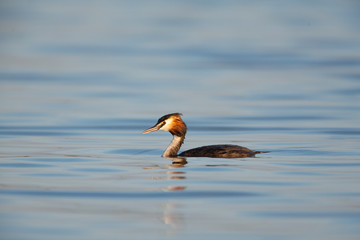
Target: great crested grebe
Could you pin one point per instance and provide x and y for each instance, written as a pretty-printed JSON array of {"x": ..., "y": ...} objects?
[{"x": 176, "y": 126}]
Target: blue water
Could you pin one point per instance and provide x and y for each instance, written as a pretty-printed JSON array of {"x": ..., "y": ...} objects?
[{"x": 80, "y": 81}]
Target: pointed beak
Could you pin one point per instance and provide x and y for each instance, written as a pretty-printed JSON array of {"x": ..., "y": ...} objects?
[{"x": 152, "y": 129}]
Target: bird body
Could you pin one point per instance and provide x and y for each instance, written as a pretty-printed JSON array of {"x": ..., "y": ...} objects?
[
  {"x": 219, "y": 151},
  {"x": 176, "y": 126}
]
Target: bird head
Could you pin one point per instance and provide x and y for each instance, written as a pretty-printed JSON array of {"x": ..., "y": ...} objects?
[{"x": 171, "y": 123}]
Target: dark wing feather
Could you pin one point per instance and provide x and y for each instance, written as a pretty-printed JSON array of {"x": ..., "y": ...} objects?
[{"x": 219, "y": 151}]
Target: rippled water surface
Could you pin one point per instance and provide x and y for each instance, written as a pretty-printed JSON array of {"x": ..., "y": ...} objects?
[{"x": 80, "y": 81}]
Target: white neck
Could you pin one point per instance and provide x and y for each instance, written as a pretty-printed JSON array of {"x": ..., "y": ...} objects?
[{"x": 174, "y": 147}]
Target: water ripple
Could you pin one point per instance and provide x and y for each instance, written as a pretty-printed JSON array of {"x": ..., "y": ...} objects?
[
  {"x": 312, "y": 214},
  {"x": 136, "y": 195},
  {"x": 24, "y": 165}
]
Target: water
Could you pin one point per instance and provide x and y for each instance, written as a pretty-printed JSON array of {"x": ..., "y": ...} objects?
[{"x": 81, "y": 80}]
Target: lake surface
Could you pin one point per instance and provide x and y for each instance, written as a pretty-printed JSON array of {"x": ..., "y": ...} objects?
[{"x": 80, "y": 81}]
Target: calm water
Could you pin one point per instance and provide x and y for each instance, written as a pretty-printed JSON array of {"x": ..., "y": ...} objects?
[{"x": 80, "y": 80}]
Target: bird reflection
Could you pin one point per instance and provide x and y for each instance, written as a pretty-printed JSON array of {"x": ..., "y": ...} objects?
[
  {"x": 178, "y": 162},
  {"x": 173, "y": 218},
  {"x": 171, "y": 214}
]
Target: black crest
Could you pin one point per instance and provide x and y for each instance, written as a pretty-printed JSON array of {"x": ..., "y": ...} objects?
[{"x": 163, "y": 118}]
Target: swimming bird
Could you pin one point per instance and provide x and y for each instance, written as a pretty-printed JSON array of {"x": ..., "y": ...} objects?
[{"x": 176, "y": 126}]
